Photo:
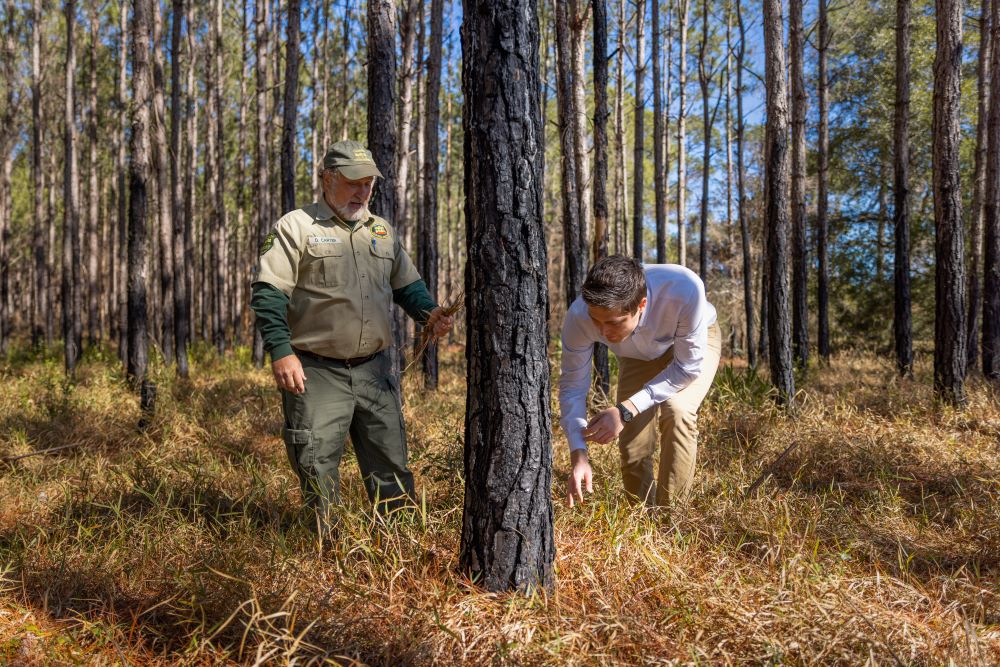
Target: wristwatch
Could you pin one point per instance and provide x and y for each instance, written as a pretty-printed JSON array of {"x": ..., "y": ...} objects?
[{"x": 625, "y": 413}]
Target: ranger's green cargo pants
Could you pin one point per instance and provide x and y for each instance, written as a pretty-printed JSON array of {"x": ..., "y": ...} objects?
[{"x": 361, "y": 401}]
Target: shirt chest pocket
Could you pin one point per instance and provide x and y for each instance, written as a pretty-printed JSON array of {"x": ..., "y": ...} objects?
[
  {"x": 381, "y": 257},
  {"x": 326, "y": 264}
]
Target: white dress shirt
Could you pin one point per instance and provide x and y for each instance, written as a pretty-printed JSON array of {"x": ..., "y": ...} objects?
[{"x": 677, "y": 315}]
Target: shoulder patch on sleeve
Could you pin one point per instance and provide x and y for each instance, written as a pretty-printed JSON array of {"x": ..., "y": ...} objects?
[{"x": 268, "y": 242}]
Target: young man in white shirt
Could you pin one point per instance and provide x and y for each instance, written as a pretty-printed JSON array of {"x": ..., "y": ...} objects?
[{"x": 663, "y": 330}]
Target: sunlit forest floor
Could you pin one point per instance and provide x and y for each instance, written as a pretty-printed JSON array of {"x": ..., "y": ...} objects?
[{"x": 877, "y": 539}]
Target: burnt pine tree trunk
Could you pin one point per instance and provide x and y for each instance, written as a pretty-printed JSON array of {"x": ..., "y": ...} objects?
[
  {"x": 983, "y": 75},
  {"x": 741, "y": 191},
  {"x": 139, "y": 148},
  {"x": 261, "y": 157},
  {"x": 71, "y": 205},
  {"x": 902, "y": 325},
  {"x": 41, "y": 330},
  {"x": 408, "y": 13},
  {"x": 507, "y": 538},
  {"x": 600, "y": 9},
  {"x": 382, "y": 128},
  {"x": 93, "y": 282},
  {"x": 163, "y": 193},
  {"x": 682, "y": 28},
  {"x": 800, "y": 306},
  {"x": 574, "y": 264},
  {"x": 578, "y": 23},
  {"x": 950, "y": 358},
  {"x": 776, "y": 203},
  {"x": 659, "y": 186},
  {"x": 638, "y": 155},
  {"x": 822, "y": 198},
  {"x": 991, "y": 259},
  {"x": 705, "y": 76},
  {"x": 428, "y": 233},
  {"x": 290, "y": 108},
  {"x": 121, "y": 174},
  {"x": 621, "y": 178}
]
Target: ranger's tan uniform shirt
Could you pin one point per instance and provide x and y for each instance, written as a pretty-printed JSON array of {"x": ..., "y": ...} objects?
[{"x": 339, "y": 282}]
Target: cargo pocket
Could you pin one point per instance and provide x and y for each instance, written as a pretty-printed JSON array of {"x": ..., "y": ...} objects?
[{"x": 298, "y": 444}]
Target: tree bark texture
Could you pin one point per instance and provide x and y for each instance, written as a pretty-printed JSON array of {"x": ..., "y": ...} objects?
[
  {"x": 950, "y": 358},
  {"x": 139, "y": 149},
  {"x": 71, "y": 203},
  {"x": 572, "y": 231},
  {"x": 983, "y": 75},
  {"x": 991, "y": 257},
  {"x": 262, "y": 157},
  {"x": 507, "y": 537},
  {"x": 902, "y": 317},
  {"x": 822, "y": 196},
  {"x": 800, "y": 301},
  {"x": 741, "y": 191},
  {"x": 659, "y": 184},
  {"x": 181, "y": 325},
  {"x": 290, "y": 108},
  {"x": 427, "y": 249},
  {"x": 776, "y": 203},
  {"x": 161, "y": 166},
  {"x": 682, "y": 27},
  {"x": 41, "y": 327},
  {"x": 601, "y": 363}
]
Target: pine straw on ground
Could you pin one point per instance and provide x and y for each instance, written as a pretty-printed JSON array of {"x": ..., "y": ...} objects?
[{"x": 876, "y": 540}]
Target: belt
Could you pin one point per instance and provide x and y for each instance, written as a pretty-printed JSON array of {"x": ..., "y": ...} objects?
[{"x": 343, "y": 363}]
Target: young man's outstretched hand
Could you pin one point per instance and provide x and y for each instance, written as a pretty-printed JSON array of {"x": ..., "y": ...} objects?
[{"x": 580, "y": 479}]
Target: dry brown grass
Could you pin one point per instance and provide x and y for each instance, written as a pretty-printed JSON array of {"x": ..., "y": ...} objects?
[{"x": 876, "y": 540}]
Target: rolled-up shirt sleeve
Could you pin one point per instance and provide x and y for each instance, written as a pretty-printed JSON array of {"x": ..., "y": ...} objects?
[
  {"x": 574, "y": 380},
  {"x": 690, "y": 344}
]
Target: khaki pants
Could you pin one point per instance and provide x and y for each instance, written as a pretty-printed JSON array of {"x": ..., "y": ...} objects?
[{"x": 678, "y": 419}]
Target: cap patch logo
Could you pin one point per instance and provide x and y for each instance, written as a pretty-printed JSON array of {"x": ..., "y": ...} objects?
[
  {"x": 379, "y": 230},
  {"x": 268, "y": 242},
  {"x": 360, "y": 154}
]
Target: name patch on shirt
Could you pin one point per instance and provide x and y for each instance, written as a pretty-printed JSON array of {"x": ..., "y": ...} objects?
[{"x": 316, "y": 240}]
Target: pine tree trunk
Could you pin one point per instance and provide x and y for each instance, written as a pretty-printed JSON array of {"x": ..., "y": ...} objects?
[
  {"x": 41, "y": 329},
  {"x": 191, "y": 161},
  {"x": 121, "y": 173},
  {"x": 682, "y": 18},
  {"x": 950, "y": 359},
  {"x": 219, "y": 225},
  {"x": 578, "y": 47},
  {"x": 93, "y": 190},
  {"x": 659, "y": 187},
  {"x": 162, "y": 161},
  {"x": 507, "y": 537},
  {"x": 408, "y": 34},
  {"x": 983, "y": 75},
  {"x": 800, "y": 304},
  {"x": 621, "y": 180},
  {"x": 602, "y": 366},
  {"x": 571, "y": 224},
  {"x": 139, "y": 149},
  {"x": 71, "y": 213},
  {"x": 991, "y": 258},
  {"x": 428, "y": 234},
  {"x": 823, "y": 159},
  {"x": 179, "y": 287},
  {"x": 291, "y": 103},
  {"x": 741, "y": 192},
  {"x": 707, "y": 120},
  {"x": 776, "y": 203},
  {"x": 902, "y": 320},
  {"x": 262, "y": 171},
  {"x": 638, "y": 156}
]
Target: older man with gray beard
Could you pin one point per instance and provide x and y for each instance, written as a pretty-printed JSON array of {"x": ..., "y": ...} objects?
[{"x": 326, "y": 279}]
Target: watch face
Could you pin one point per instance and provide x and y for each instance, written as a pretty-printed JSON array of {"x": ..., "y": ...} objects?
[{"x": 625, "y": 413}]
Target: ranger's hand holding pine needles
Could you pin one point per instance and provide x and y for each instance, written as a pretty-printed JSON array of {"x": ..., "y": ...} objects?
[{"x": 439, "y": 322}]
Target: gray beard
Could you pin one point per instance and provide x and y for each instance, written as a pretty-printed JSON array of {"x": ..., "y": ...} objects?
[{"x": 360, "y": 214}]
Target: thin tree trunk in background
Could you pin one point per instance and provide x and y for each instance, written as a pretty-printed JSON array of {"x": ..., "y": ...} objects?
[
  {"x": 261, "y": 161},
  {"x": 578, "y": 47},
  {"x": 345, "y": 70},
  {"x": 290, "y": 108},
  {"x": 41, "y": 317},
  {"x": 822, "y": 197},
  {"x": 408, "y": 14},
  {"x": 415, "y": 191},
  {"x": 191, "y": 161},
  {"x": 776, "y": 203},
  {"x": 741, "y": 191},
  {"x": 705, "y": 77},
  {"x": 507, "y": 536},
  {"x": 93, "y": 282},
  {"x": 682, "y": 26},
  {"x": 316, "y": 125},
  {"x": 574, "y": 265},
  {"x": 8, "y": 131},
  {"x": 729, "y": 125},
  {"x": 659, "y": 186},
  {"x": 218, "y": 226},
  {"x": 800, "y": 304},
  {"x": 602, "y": 367},
  {"x": 621, "y": 179},
  {"x": 428, "y": 234},
  {"x": 991, "y": 258},
  {"x": 71, "y": 213},
  {"x": 382, "y": 131},
  {"x": 243, "y": 247},
  {"x": 163, "y": 194},
  {"x": 138, "y": 176},
  {"x": 983, "y": 75},
  {"x": 209, "y": 249},
  {"x": 950, "y": 359},
  {"x": 121, "y": 173},
  {"x": 638, "y": 157},
  {"x": 902, "y": 321},
  {"x": 180, "y": 289}
]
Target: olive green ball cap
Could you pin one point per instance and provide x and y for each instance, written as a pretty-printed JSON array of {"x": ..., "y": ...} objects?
[{"x": 352, "y": 159}]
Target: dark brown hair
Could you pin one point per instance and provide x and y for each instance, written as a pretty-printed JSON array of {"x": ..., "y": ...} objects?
[{"x": 615, "y": 282}]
